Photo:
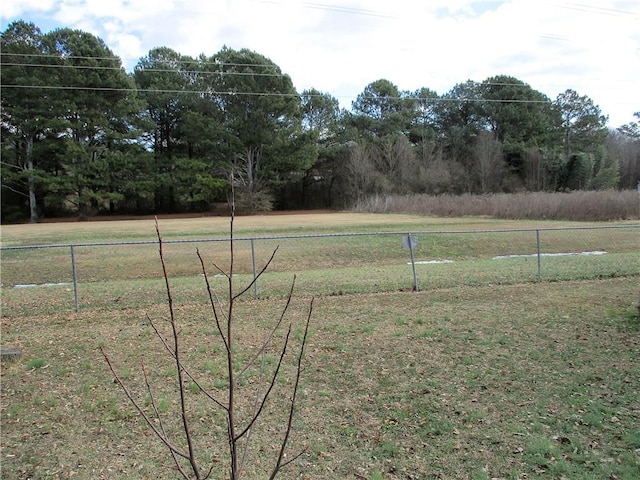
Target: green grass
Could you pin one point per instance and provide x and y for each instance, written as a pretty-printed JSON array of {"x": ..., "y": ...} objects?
[
  {"x": 35, "y": 363},
  {"x": 539, "y": 380},
  {"x": 137, "y": 293},
  {"x": 335, "y": 265},
  {"x": 485, "y": 373}
]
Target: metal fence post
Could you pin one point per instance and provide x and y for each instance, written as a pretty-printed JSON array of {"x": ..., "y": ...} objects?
[
  {"x": 253, "y": 264},
  {"x": 539, "y": 256},
  {"x": 413, "y": 263},
  {"x": 74, "y": 276}
]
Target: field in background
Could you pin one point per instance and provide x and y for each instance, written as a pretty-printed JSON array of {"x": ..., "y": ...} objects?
[
  {"x": 350, "y": 253},
  {"x": 274, "y": 224},
  {"x": 495, "y": 379}
]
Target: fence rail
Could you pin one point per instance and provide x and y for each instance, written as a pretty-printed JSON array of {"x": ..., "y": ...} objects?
[{"x": 334, "y": 263}]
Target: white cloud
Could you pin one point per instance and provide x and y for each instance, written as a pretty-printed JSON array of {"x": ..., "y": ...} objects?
[
  {"x": 339, "y": 46},
  {"x": 13, "y": 9}
]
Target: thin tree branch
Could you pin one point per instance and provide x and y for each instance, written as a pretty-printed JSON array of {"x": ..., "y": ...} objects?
[
  {"x": 268, "y": 339},
  {"x": 269, "y": 389},
  {"x": 208, "y": 475},
  {"x": 292, "y": 459},
  {"x": 176, "y": 350},
  {"x": 160, "y": 422},
  {"x": 212, "y": 301},
  {"x": 18, "y": 192},
  {"x": 245, "y": 449},
  {"x": 283, "y": 446},
  {"x": 21, "y": 167},
  {"x": 218, "y": 268},
  {"x": 252, "y": 283},
  {"x": 142, "y": 413},
  {"x": 229, "y": 339},
  {"x": 185, "y": 370}
]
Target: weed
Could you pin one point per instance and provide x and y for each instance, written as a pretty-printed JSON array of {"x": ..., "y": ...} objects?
[
  {"x": 632, "y": 439},
  {"x": 220, "y": 384},
  {"x": 212, "y": 368},
  {"x": 163, "y": 405},
  {"x": 540, "y": 451},
  {"x": 36, "y": 363},
  {"x": 629, "y": 466},
  {"x": 385, "y": 450}
]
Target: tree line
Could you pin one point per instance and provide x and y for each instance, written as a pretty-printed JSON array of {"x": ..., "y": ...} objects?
[{"x": 81, "y": 136}]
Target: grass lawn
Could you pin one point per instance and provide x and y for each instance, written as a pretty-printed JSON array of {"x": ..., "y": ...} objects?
[
  {"x": 505, "y": 380},
  {"x": 519, "y": 381}
]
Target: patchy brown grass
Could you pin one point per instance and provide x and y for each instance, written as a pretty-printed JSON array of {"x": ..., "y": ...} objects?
[
  {"x": 505, "y": 380},
  {"x": 520, "y": 381}
]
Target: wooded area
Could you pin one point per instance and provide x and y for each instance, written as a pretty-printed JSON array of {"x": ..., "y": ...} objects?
[{"x": 81, "y": 136}]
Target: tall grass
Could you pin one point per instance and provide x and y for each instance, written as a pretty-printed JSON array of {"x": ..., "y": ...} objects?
[{"x": 573, "y": 206}]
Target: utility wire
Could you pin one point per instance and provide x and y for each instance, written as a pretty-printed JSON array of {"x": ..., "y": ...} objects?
[
  {"x": 597, "y": 10},
  {"x": 222, "y": 74},
  {"x": 189, "y": 61},
  {"x": 193, "y": 72},
  {"x": 269, "y": 94},
  {"x": 336, "y": 8},
  {"x": 145, "y": 70},
  {"x": 309, "y": 5}
]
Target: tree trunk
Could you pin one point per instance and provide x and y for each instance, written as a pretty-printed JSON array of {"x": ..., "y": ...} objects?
[{"x": 33, "y": 207}]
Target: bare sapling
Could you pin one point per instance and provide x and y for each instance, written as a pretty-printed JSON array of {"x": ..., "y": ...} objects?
[{"x": 182, "y": 443}]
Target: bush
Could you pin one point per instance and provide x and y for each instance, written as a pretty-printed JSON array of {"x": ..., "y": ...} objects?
[
  {"x": 248, "y": 202},
  {"x": 573, "y": 206}
]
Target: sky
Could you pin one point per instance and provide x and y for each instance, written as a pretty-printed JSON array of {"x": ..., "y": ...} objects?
[{"x": 341, "y": 46}]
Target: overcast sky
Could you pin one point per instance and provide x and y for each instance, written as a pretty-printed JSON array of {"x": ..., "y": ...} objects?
[{"x": 340, "y": 46}]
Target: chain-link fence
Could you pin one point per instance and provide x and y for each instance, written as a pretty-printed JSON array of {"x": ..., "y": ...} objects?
[{"x": 129, "y": 274}]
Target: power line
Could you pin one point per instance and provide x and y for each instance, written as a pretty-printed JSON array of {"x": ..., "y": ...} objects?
[
  {"x": 368, "y": 12},
  {"x": 597, "y": 10},
  {"x": 268, "y": 94},
  {"x": 309, "y": 5},
  {"x": 180, "y": 71},
  {"x": 221, "y": 73},
  {"x": 189, "y": 61},
  {"x": 145, "y": 70},
  {"x": 337, "y": 8},
  {"x": 189, "y": 77}
]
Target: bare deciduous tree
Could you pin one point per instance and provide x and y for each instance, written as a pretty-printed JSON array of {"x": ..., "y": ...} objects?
[
  {"x": 489, "y": 162},
  {"x": 362, "y": 176},
  {"x": 183, "y": 447}
]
